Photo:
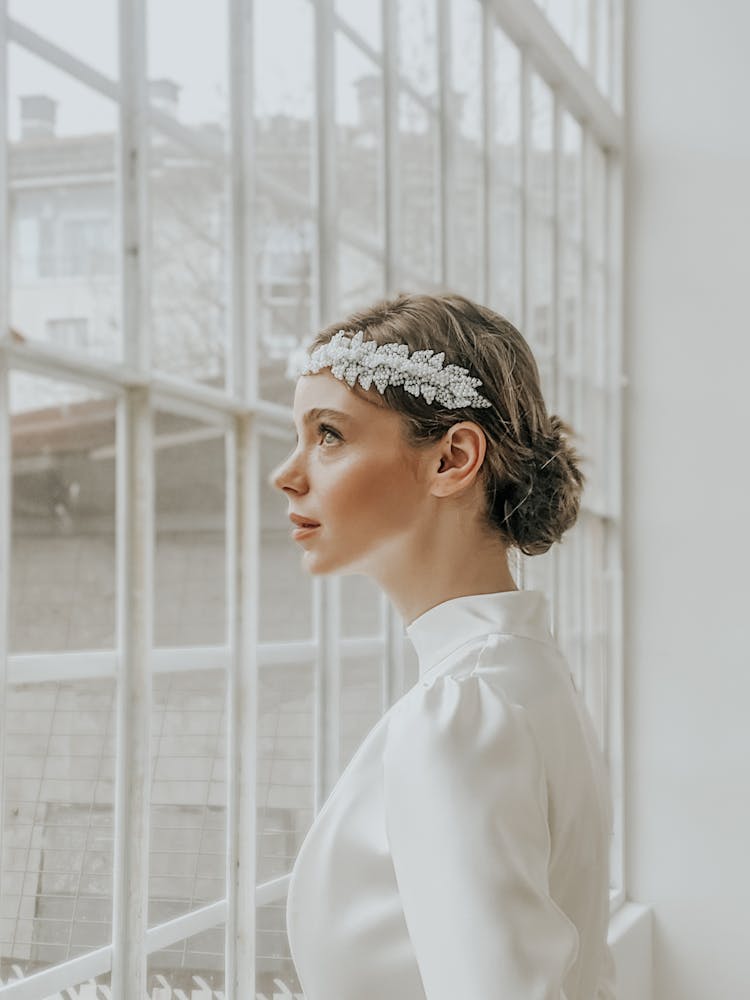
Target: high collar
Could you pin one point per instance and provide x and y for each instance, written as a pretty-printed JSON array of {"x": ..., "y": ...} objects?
[{"x": 441, "y": 629}]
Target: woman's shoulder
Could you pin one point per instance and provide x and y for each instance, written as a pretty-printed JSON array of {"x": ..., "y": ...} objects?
[
  {"x": 508, "y": 689},
  {"x": 519, "y": 668},
  {"x": 452, "y": 709}
]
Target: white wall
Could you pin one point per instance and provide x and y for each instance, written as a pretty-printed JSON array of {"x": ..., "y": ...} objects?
[{"x": 687, "y": 483}]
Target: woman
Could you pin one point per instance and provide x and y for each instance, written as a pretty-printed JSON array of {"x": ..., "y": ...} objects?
[{"x": 463, "y": 852}]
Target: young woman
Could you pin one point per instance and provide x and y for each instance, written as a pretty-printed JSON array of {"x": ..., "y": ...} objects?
[{"x": 464, "y": 850}]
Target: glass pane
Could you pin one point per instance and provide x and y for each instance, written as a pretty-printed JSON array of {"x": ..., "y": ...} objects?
[
  {"x": 466, "y": 68},
  {"x": 61, "y": 24},
  {"x": 466, "y": 208},
  {"x": 361, "y": 279},
  {"x": 616, "y": 50},
  {"x": 189, "y": 272},
  {"x": 571, "y": 179},
  {"x": 285, "y": 789},
  {"x": 285, "y": 611},
  {"x": 539, "y": 330},
  {"x": 57, "y": 837},
  {"x": 62, "y": 574},
  {"x": 362, "y": 606},
  {"x": 507, "y": 105},
  {"x": 417, "y": 45},
  {"x": 569, "y": 625},
  {"x": 597, "y": 626},
  {"x": 571, "y": 333},
  {"x": 358, "y": 156},
  {"x": 361, "y": 702},
  {"x": 418, "y": 152},
  {"x": 285, "y": 244},
  {"x": 505, "y": 284},
  {"x": 504, "y": 292},
  {"x": 193, "y": 90},
  {"x": 284, "y": 230},
  {"x": 191, "y": 968},
  {"x": 188, "y": 188},
  {"x": 571, "y": 264},
  {"x": 595, "y": 420},
  {"x": 541, "y": 154},
  {"x": 276, "y": 975},
  {"x": 190, "y": 555},
  {"x": 603, "y": 60},
  {"x": 64, "y": 287},
  {"x": 596, "y": 208},
  {"x": 540, "y": 574},
  {"x": 570, "y": 19},
  {"x": 365, "y": 18},
  {"x": 188, "y": 795}
]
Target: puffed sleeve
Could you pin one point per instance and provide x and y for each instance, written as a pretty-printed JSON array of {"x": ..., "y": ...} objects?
[{"x": 466, "y": 820}]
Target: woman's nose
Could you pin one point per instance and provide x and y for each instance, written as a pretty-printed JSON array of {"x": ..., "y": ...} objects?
[
  {"x": 281, "y": 477},
  {"x": 274, "y": 480}
]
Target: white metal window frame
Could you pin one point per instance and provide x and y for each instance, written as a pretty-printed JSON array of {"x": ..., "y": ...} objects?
[{"x": 244, "y": 418}]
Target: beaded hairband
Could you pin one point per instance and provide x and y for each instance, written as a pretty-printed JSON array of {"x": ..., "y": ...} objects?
[{"x": 352, "y": 358}]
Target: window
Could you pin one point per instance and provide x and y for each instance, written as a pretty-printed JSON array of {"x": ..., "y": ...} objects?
[
  {"x": 71, "y": 333},
  {"x": 86, "y": 247},
  {"x": 457, "y": 142}
]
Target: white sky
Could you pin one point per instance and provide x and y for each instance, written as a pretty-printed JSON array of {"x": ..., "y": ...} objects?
[{"x": 187, "y": 42}]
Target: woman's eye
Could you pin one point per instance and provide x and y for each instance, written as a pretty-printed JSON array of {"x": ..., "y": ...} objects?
[{"x": 323, "y": 430}]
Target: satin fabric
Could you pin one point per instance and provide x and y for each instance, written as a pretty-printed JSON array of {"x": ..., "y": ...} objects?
[{"x": 464, "y": 851}]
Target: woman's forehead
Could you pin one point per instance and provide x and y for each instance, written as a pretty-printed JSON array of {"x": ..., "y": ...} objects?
[{"x": 322, "y": 390}]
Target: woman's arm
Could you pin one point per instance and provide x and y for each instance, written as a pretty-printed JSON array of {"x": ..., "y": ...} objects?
[{"x": 466, "y": 818}]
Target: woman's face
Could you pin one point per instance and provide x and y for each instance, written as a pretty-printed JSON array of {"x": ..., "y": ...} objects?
[{"x": 353, "y": 474}]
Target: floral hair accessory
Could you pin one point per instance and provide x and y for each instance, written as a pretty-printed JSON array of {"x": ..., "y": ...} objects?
[{"x": 422, "y": 372}]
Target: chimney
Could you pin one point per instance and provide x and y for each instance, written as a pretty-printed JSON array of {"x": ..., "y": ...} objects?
[
  {"x": 37, "y": 116},
  {"x": 164, "y": 95}
]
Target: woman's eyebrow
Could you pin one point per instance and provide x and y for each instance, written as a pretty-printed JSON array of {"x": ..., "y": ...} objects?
[{"x": 324, "y": 411}]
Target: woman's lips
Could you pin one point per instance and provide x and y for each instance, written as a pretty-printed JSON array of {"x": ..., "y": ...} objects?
[{"x": 302, "y": 532}]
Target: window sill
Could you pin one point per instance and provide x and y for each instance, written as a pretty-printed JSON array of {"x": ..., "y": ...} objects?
[{"x": 630, "y": 940}]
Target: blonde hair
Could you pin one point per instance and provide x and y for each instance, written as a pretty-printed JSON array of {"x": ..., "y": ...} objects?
[{"x": 532, "y": 480}]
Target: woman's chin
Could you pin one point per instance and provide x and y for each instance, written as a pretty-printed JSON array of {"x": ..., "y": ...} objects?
[{"x": 317, "y": 564}]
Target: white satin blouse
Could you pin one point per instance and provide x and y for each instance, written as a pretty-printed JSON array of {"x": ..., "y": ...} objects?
[{"x": 463, "y": 853}]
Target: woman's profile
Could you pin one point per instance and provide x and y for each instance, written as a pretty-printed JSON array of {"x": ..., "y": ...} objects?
[{"x": 464, "y": 850}]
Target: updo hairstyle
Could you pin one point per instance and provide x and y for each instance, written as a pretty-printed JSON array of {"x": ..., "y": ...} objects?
[{"x": 531, "y": 473}]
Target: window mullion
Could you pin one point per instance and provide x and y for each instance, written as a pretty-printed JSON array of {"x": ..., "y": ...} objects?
[
  {"x": 135, "y": 527},
  {"x": 243, "y": 589},
  {"x": 617, "y": 383},
  {"x": 556, "y": 311},
  {"x": 242, "y": 345},
  {"x": 525, "y": 248},
  {"x": 132, "y": 181},
  {"x": 242, "y": 521},
  {"x": 326, "y": 591},
  {"x": 135, "y": 533},
  {"x": 5, "y": 443}
]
